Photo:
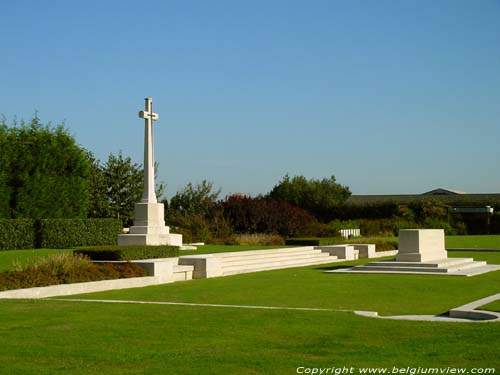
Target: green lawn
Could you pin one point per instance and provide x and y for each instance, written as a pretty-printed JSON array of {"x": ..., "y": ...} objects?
[
  {"x": 64, "y": 337},
  {"x": 54, "y": 337},
  {"x": 474, "y": 242},
  {"x": 311, "y": 287},
  {"x": 494, "y": 306}
]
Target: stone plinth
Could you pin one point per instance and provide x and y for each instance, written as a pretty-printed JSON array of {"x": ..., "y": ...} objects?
[
  {"x": 421, "y": 245},
  {"x": 149, "y": 228}
]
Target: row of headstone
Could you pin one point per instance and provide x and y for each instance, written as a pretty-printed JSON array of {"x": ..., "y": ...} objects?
[{"x": 346, "y": 233}]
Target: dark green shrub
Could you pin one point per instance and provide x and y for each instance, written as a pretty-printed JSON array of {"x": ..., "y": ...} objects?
[
  {"x": 129, "y": 252},
  {"x": 17, "y": 234},
  {"x": 302, "y": 242},
  {"x": 193, "y": 227},
  {"x": 261, "y": 215},
  {"x": 63, "y": 233},
  {"x": 314, "y": 241}
]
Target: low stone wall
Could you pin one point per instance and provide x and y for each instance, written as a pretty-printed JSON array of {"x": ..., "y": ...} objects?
[{"x": 79, "y": 288}]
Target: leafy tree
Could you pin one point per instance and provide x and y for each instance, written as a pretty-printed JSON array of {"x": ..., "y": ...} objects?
[
  {"x": 194, "y": 213},
  {"x": 116, "y": 186},
  {"x": 5, "y": 190},
  {"x": 195, "y": 199},
  {"x": 124, "y": 183},
  {"x": 316, "y": 196},
  {"x": 43, "y": 172},
  {"x": 99, "y": 203}
]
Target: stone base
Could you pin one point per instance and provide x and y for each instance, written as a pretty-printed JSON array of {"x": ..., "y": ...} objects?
[
  {"x": 151, "y": 239},
  {"x": 149, "y": 228},
  {"x": 422, "y": 251},
  {"x": 421, "y": 245}
]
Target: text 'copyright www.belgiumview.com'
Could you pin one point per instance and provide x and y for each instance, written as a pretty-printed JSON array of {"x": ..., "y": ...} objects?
[{"x": 395, "y": 370}]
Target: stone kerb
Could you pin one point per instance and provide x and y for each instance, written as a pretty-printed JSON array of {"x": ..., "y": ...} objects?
[
  {"x": 350, "y": 251},
  {"x": 205, "y": 266},
  {"x": 346, "y": 252},
  {"x": 421, "y": 245}
]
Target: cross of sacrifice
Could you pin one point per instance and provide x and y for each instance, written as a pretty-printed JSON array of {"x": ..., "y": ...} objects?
[
  {"x": 148, "y": 114},
  {"x": 148, "y": 195}
]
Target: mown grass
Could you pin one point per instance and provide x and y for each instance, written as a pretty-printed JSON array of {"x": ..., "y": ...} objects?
[
  {"x": 65, "y": 337},
  {"x": 474, "y": 242},
  {"x": 311, "y": 287},
  {"x": 493, "y": 306},
  {"x": 56, "y": 337}
]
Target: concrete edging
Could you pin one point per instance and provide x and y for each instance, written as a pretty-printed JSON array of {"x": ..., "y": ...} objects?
[{"x": 80, "y": 288}]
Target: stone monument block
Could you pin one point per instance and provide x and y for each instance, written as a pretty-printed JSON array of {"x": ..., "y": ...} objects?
[{"x": 421, "y": 245}]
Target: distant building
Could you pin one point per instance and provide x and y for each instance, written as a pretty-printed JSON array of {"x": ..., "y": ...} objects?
[{"x": 445, "y": 195}]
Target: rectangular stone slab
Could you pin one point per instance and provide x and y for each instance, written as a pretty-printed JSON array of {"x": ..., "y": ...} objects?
[{"x": 421, "y": 245}]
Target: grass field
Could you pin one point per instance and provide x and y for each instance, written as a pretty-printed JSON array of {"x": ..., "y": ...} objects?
[
  {"x": 494, "y": 306},
  {"x": 65, "y": 337},
  {"x": 474, "y": 242}
]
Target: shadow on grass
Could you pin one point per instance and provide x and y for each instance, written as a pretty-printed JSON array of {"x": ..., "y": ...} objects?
[{"x": 330, "y": 268}]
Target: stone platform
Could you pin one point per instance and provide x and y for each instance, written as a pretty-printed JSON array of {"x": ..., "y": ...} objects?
[
  {"x": 449, "y": 266},
  {"x": 422, "y": 252}
]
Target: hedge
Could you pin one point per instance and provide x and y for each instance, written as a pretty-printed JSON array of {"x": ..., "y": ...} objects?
[
  {"x": 129, "y": 252},
  {"x": 17, "y": 234},
  {"x": 313, "y": 241},
  {"x": 64, "y": 233}
]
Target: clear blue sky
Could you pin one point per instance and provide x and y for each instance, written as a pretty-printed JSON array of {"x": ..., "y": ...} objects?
[{"x": 388, "y": 96}]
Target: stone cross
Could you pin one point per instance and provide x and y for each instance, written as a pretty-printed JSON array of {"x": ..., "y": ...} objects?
[{"x": 148, "y": 195}]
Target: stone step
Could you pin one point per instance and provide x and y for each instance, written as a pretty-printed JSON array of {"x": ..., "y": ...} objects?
[
  {"x": 273, "y": 257},
  {"x": 442, "y": 263},
  {"x": 263, "y": 266},
  {"x": 183, "y": 273},
  {"x": 401, "y": 267},
  {"x": 260, "y": 252},
  {"x": 467, "y": 266}
]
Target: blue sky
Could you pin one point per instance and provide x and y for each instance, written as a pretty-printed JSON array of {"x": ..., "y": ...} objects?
[{"x": 389, "y": 96}]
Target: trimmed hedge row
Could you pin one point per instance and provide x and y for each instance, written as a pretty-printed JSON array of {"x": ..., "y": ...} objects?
[
  {"x": 63, "y": 233},
  {"x": 313, "y": 241},
  {"x": 129, "y": 252},
  {"x": 57, "y": 233},
  {"x": 17, "y": 234}
]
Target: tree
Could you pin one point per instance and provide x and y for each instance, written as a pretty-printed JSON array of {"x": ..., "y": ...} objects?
[
  {"x": 99, "y": 203},
  {"x": 116, "y": 186},
  {"x": 193, "y": 211},
  {"x": 316, "y": 196},
  {"x": 124, "y": 185},
  {"x": 43, "y": 172},
  {"x": 195, "y": 199}
]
